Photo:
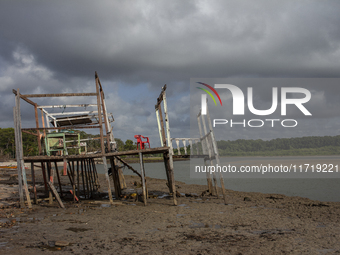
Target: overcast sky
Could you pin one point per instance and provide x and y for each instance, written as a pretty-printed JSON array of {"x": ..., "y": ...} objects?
[{"x": 138, "y": 46}]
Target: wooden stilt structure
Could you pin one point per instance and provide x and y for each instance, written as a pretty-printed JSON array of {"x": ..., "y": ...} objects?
[{"x": 80, "y": 168}]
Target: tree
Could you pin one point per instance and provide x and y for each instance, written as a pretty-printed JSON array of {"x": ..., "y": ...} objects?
[{"x": 129, "y": 145}]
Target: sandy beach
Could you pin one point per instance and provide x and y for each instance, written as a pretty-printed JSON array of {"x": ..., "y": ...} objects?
[{"x": 251, "y": 223}]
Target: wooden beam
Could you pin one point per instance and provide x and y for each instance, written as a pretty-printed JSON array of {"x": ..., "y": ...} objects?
[
  {"x": 67, "y": 127},
  {"x": 71, "y": 113},
  {"x": 66, "y": 106},
  {"x": 55, "y": 192},
  {"x": 27, "y": 132},
  {"x": 60, "y": 95}
]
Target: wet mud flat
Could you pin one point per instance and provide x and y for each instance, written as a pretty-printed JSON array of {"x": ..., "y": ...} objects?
[{"x": 251, "y": 223}]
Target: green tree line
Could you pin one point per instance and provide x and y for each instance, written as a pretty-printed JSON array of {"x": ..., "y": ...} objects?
[{"x": 30, "y": 144}]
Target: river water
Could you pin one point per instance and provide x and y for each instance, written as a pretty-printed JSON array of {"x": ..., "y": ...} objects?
[{"x": 322, "y": 189}]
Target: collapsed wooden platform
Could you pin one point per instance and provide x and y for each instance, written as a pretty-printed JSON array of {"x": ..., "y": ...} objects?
[{"x": 80, "y": 168}]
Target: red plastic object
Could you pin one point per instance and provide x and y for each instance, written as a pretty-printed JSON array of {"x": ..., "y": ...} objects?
[{"x": 142, "y": 143}]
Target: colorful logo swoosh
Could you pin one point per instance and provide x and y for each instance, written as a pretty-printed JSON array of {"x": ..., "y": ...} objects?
[{"x": 209, "y": 93}]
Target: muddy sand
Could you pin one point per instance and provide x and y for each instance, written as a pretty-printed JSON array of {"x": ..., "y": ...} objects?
[{"x": 251, "y": 223}]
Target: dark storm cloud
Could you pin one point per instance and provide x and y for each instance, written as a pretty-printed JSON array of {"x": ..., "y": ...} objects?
[{"x": 55, "y": 46}]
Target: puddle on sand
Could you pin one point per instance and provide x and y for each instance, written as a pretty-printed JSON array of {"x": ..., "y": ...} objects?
[
  {"x": 165, "y": 196},
  {"x": 202, "y": 225},
  {"x": 180, "y": 215},
  {"x": 271, "y": 231},
  {"x": 77, "y": 230},
  {"x": 198, "y": 225},
  {"x": 105, "y": 205},
  {"x": 50, "y": 246},
  {"x": 182, "y": 205},
  {"x": 151, "y": 230}
]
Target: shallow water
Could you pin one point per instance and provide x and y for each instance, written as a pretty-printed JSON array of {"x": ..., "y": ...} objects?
[{"x": 322, "y": 189}]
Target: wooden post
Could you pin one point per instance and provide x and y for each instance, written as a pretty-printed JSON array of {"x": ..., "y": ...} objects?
[
  {"x": 107, "y": 179},
  {"x": 209, "y": 182},
  {"x": 172, "y": 187},
  {"x": 44, "y": 175},
  {"x": 33, "y": 182},
  {"x": 159, "y": 127},
  {"x": 43, "y": 121},
  {"x": 171, "y": 162},
  {"x": 86, "y": 179},
  {"x": 37, "y": 125},
  {"x": 210, "y": 152},
  {"x": 82, "y": 177},
  {"x": 78, "y": 181},
  {"x": 143, "y": 177},
  {"x": 58, "y": 176},
  {"x": 88, "y": 167},
  {"x": 95, "y": 173},
  {"x": 65, "y": 165},
  {"x": 162, "y": 125},
  {"x": 51, "y": 180},
  {"x": 217, "y": 157},
  {"x": 100, "y": 115},
  {"x": 167, "y": 167},
  {"x": 78, "y": 184},
  {"x": 108, "y": 141},
  {"x": 17, "y": 145},
  {"x": 20, "y": 150},
  {"x": 115, "y": 178}
]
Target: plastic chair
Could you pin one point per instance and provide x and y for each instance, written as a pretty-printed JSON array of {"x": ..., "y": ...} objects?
[{"x": 142, "y": 143}]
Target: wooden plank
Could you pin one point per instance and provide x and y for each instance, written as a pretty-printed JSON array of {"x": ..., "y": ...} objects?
[
  {"x": 72, "y": 113},
  {"x": 99, "y": 155},
  {"x": 56, "y": 195},
  {"x": 66, "y": 106},
  {"x": 67, "y": 127},
  {"x": 60, "y": 95},
  {"x": 30, "y": 133}
]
